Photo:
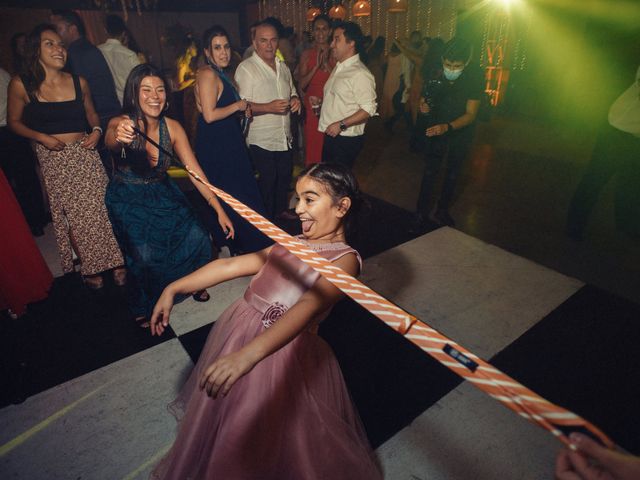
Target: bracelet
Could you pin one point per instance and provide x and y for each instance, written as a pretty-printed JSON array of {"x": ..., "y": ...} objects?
[
  {"x": 449, "y": 127},
  {"x": 99, "y": 129}
]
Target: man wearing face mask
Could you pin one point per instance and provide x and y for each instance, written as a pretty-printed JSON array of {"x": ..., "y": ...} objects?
[{"x": 451, "y": 105}]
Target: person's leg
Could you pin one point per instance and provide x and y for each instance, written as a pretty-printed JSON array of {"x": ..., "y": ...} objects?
[
  {"x": 343, "y": 150},
  {"x": 458, "y": 151},
  {"x": 418, "y": 139},
  {"x": 284, "y": 166},
  {"x": 435, "y": 149},
  {"x": 264, "y": 163},
  {"x": 328, "y": 149},
  {"x": 600, "y": 169},
  {"x": 354, "y": 147},
  {"x": 406, "y": 113}
]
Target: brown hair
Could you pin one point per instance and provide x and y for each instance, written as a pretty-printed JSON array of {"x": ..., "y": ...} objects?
[{"x": 34, "y": 73}]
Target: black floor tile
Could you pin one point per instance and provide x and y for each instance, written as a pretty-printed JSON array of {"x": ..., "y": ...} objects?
[
  {"x": 193, "y": 341},
  {"x": 382, "y": 226},
  {"x": 584, "y": 356},
  {"x": 391, "y": 380},
  {"x": 73, "y": 332}
]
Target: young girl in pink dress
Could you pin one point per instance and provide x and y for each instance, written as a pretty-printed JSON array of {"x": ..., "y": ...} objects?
[{"x": 266, "y": 399}]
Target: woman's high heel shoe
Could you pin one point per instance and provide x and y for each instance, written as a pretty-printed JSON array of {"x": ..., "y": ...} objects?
[{"x": 93, "y": 282}]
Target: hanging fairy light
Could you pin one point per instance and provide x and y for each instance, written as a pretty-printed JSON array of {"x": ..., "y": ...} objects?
[
  {"x": 398, "y": 6},
  {"x": 362, "y": 8},
  {"x": 312, "y": 12},
  {"x": 338, "y": 12}
]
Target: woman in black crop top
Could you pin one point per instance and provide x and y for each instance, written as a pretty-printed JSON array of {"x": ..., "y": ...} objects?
[{"x": 54, "y": 109}]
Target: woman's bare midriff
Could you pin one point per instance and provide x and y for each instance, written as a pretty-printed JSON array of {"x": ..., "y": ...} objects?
[{"x": 69, "y": 137}]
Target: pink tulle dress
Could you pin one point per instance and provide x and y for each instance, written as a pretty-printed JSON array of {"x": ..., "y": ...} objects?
[{"x": 291, "y": 417}]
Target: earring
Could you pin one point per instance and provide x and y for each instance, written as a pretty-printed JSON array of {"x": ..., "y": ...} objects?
[{"x": 166, "y": 105}]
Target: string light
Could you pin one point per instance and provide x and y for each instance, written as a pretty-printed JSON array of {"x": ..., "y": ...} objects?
[
  {"x": 362, "y": 8},
  {"x": 452, "y": 22},
  {"x": 338, "y": 12},
  {"x": 386, "y": 28},
  {"x": 298, "y": 12},
  {"x": 378, "y": 18},
  {"x": 406, "y": 21},
  {"x": 398, "y": 6}
]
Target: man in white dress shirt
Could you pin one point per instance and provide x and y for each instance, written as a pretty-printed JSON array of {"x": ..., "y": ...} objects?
[
  {"x": 266, "y": 83},
  {"x": 349, "y": 98},
  {"x": 120, "y": 59}
]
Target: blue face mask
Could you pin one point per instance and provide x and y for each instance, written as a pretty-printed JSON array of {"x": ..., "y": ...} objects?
[{"x": 451, "y": 74}]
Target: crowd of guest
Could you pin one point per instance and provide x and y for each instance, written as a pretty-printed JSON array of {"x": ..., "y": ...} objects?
[{"x": 98, "y": 120}]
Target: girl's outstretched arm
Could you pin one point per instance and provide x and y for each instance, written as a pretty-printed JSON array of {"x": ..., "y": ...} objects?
[
  {"x": 220, "y": 376},
  {"x": 211, "y": 274}
]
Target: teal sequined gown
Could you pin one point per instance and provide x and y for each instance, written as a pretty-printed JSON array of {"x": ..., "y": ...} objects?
[{"x": 156, "y": 227}]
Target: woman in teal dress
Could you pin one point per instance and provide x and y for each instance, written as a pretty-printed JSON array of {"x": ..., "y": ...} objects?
[
  {"x": 220, "y": 144},
  {"x": 156, "y": 227}
]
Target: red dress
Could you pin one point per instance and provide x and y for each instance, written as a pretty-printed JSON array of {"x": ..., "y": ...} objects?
[
  {"x": 312, "y": 137},
  {"x": 24, "y": 275}
]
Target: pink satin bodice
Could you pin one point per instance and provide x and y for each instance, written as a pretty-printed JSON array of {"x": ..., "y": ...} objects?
[{"x": 284, "y": 278}]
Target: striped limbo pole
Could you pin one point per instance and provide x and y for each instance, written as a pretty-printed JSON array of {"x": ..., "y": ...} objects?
[{"x": 515, "y": 396}]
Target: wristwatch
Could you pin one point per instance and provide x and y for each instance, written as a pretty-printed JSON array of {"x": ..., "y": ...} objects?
[{"x": 343, "y": 126}]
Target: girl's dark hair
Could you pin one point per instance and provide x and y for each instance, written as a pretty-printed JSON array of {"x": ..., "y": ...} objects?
[
  {"x": 33, "y": 72},
  {"x": 131, "y": 98},
  {"x": 136, "y": 152},
  {"x": 211, "y": 33},
  {"x": 340, "y": 182}
]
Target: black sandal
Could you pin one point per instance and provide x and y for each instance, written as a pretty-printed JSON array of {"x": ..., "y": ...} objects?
[{"x": 201, "y": 296}]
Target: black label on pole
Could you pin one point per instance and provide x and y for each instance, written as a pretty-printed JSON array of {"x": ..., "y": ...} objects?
[{"x": 460, "y": 357}]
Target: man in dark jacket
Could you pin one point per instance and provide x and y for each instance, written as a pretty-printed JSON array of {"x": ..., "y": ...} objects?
[{"x": 451, "y": 103}]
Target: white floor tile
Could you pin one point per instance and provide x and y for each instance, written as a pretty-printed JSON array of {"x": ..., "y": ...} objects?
[
  {"x": 469, "y": 436},
  {"x": 475, "y": 293},
  {"x": 108, "y": 424},
  {"x": 190, "y": 315}
]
